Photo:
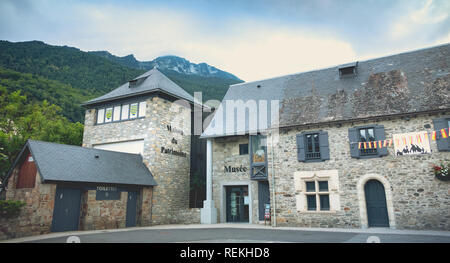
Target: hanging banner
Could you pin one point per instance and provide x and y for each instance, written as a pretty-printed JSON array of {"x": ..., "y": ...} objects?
[{"x": 411, "y": 143}]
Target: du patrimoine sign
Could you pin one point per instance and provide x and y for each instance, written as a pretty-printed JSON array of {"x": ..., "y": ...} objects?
[
  {"x": 235, "y": 169},
  {"x": 173, "y": 152}
]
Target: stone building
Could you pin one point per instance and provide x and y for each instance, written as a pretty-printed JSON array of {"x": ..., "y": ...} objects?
[
  {"x": 150, "y": 115},
  {"x": 350, "y": 146},
  {"x": 143, "y": 125},
  {"x": 67, "y": 188}
]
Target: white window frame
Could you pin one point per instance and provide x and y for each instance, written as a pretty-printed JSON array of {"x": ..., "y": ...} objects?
[
  {"x": 117, "y": 111},
  {"x": 300, "y": 179},
  {"x": 317, "y": 193}
]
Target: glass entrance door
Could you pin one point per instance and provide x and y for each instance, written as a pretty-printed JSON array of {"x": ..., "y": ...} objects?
[{"x": 237, "y": 204}]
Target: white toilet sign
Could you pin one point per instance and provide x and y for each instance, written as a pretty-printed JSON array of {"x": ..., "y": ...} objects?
[{"x": 411, "y": 143}]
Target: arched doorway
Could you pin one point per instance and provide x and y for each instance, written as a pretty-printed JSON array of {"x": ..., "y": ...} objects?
[{"x": 376, "y": 206}]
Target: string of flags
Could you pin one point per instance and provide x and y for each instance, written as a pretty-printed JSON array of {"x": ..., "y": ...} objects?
[{"x": 444, "y": 133}]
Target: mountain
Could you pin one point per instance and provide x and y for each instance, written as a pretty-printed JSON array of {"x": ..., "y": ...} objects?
[
  {"x": 172, "y": 63},
  {"x": 38, "y": 89},
  {"x": 67, "y": 65},
  {"x": 67, "y": 76}
]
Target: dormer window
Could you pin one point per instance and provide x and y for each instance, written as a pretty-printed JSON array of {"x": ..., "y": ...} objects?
[
  {"x": 136, "y": 82},
  {"x": 347, "y": 70}
]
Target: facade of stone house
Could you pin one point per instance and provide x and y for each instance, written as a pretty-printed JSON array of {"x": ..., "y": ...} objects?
[
  {"x": 151, "y": 116},
  {"x": 133, "y": 169},
  {"x": 68, "y": 188},
  {"x": 351, "y": 146}
]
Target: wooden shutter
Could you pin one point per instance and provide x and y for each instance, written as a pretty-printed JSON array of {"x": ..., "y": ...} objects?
[
  {"x": 380, "y": 136},
  {"x": 442, "y": 144},
  {"x": 324, "y": 146},
  {"x": 27, "y": 173},
  {"x": 353, "y": 137},
  {"x": 301, "y": 156}
]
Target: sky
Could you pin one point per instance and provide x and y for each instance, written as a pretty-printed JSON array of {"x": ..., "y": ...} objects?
[{"x": 251, "y": 39}]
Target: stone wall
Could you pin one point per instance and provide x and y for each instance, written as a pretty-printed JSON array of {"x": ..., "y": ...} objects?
[
  {"x": 102, "y": 214},
  {"x": 37, "y": 215},
  {"x": 188, "y": 216},
  {"x": 419, "y": 200},
  {"x": 226, "y": 153},
  {"x": 171, "y": 171},
  {"x": 416, "y": 199},
  {"x": 110, "y": 214}
]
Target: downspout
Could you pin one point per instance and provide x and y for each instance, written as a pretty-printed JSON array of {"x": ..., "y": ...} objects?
[{"x": 273, "y": 182}]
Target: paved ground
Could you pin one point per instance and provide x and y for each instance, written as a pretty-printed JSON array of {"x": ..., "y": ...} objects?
[{"x": 242, "y": 233}]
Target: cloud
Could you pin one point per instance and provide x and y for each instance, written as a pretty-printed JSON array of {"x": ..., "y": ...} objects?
[
  {"x": 250, "y": 49},
  {"x": 420, "y": 21},
  {"x": 276, "y": 38}
]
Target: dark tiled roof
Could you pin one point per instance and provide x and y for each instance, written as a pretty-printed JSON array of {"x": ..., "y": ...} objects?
[
  {"x": 151, "y": 81},
  {"x": 409, "y": 82},
  {"x": 68, "y": 163}
]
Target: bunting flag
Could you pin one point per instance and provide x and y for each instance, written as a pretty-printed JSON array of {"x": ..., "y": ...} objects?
[
  {"x": 443, "y": 133},
  {"x": 415, "y": 138},
  {"x": 419, "y": 139}
]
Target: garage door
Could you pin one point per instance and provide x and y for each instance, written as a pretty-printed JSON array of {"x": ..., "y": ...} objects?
[{"x": 126, "y": 146}]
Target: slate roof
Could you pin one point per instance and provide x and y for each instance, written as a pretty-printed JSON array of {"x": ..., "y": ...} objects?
[
  {"x": 68, "y": 163},
  {"x": 149, "y": 82},
  {"x": 416, "y": 81}
]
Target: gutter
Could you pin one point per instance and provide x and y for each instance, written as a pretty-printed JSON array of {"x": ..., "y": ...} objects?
[
  {"x": 92, "y": 103},
  {"x": 273, "y": 183}
]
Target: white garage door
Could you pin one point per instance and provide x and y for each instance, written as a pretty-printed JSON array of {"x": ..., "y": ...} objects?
[{"x": 126, "y": 147}]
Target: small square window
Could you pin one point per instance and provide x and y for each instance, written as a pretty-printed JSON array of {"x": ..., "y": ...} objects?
[
  {"x": 323, "y": 186},
  {"x": 142, "y": 109},
  {"x": 367, "y": 135},
  {"x": 116, "y": 116},
  {"x": 133, "y": 111},
  {"x": 100, "y": 115},
  {"x": 243, "y": 149},
  {"x": 125, "y": 109},
  {"x": 312, "y": 146},
  {"x": 108, "y": 114},
  {"x": 324, "y": 202},
  {"x": 310, "y": 186},
  {"x": 311, "y": 200}
]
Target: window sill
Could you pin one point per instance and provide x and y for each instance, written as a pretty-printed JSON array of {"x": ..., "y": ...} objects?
[
  {"x": 318, "y": 212},
  {"x": 369, "y": 156},
  {"x": 314, "y": 161},
  {"x": 99, "y": 124}
]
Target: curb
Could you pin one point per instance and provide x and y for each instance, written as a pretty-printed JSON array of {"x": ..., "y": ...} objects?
[{"x": 385, "y": 231}]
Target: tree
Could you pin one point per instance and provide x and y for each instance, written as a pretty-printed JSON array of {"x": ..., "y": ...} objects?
[{"x": 20, "y": 121}]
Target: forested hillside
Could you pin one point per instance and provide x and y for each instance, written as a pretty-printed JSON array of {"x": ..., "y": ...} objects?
[
  {"x": 38, "y": 89},
  {"x": 67, "y": 76},
  {"x": 68, "y": 65},
  {"x": 42, "y": 88}
]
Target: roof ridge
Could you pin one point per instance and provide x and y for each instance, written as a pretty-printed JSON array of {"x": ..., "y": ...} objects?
[
  {"x": 81, "y": 147},
  {"x": 337, "y": 65}
]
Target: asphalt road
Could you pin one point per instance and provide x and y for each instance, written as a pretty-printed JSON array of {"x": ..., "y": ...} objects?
[{"x": 237, "y": 235}]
